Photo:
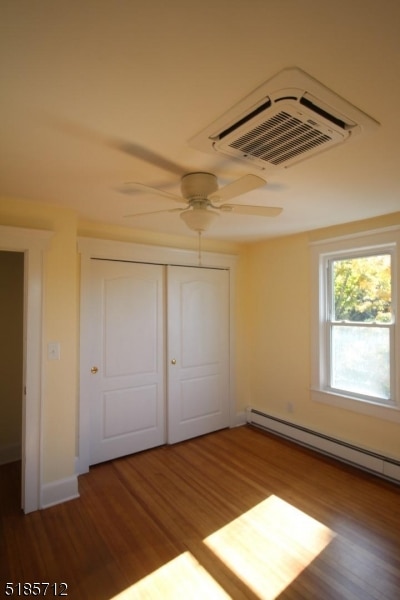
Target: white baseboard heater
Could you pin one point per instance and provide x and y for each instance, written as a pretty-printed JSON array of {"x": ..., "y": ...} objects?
[{"x": 369, "y": 461}]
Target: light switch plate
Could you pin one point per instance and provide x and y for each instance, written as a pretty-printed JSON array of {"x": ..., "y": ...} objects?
[{"x": 53, "y": 350}]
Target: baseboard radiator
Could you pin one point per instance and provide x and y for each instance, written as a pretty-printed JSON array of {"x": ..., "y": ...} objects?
[{"x": 369, "y": 461}]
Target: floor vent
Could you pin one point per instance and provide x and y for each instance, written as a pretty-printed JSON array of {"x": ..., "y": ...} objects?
[
  {"x": 369, "y": 461},
  {"x": 289, "y": 119}
]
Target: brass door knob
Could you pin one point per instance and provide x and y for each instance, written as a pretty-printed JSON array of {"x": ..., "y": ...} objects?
[
  {"x": 94, "y": 370},
  {"x": 173, "y": 361}
]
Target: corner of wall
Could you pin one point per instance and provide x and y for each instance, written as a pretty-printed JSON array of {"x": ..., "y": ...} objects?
[{"x": 59, "y": 491}]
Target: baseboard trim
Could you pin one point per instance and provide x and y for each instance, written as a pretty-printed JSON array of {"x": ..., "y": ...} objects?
[
  {"x": 10, "y": 453},
  {"x": 378, "y": 464},
  {"x": 59, "y": 491},
  {"x": 239, "y": 419}
]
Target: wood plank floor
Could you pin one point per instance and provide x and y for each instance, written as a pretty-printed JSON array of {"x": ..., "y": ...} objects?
[{"x": 235, "y": 514}]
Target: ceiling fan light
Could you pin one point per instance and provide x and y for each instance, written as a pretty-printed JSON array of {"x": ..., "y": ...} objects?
[{"x": 198, "y": 219}]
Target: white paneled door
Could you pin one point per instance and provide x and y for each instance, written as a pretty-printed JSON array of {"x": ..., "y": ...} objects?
[
  {"x": 159, "y": 355},
  {"x": 127, "y": 400},
  {"x": 198, "y": 351}
]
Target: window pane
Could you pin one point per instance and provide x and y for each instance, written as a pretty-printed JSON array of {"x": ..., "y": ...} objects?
[
  {"x": 362, "y": 289},
  {"x": 361, "y": 360}
]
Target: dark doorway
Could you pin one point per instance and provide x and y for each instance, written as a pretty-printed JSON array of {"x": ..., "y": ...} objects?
[{"x": 11, "y": 355}]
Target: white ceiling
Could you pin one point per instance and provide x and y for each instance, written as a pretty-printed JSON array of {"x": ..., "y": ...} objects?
[{"x": 98, "y": 92}]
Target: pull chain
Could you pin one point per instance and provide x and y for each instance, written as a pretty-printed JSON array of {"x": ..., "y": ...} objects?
[{"x": 199, "y": 248}]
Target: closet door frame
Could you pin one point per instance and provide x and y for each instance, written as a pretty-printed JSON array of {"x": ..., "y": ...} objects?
[{"x": 89, "y": 249}]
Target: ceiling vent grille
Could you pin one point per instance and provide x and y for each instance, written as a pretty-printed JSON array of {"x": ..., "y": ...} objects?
[
  {"x": 289, "y": 119},
  {"x": 280, "y": 139}
]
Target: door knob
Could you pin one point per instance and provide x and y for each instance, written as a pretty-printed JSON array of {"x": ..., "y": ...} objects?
[
  {"x": 173, "y": 361},
  {"x": 94, "y": 370}
]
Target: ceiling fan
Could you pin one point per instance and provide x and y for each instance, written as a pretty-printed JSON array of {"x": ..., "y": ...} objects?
[
  {"x": 201, "y": 198},
  {"x": 203, "y": 201}
]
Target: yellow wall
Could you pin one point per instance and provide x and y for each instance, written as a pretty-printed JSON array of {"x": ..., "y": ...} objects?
[
  {"x": 125, "y": 234},
  {"x": 272, "y": 337},
  {"x": 278, "y": 349}
]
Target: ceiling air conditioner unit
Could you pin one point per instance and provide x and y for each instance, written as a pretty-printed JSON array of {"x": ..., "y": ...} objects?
[{"x": 288, "y": 119}]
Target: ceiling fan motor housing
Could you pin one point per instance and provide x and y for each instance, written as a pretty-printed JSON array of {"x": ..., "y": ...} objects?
[{"x": 198, "y": 185}]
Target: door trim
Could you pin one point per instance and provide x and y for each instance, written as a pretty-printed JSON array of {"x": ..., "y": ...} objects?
[
  {"x": 89, "y": 249},
  {"x": 32, "y": 243}
]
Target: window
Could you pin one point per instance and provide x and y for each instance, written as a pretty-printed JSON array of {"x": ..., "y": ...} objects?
[
  {"x": 354, "y": 362},
  {"x": 360, "y": 325}
]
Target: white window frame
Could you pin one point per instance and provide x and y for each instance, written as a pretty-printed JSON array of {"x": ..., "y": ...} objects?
[{"x": 383, "y": 241}]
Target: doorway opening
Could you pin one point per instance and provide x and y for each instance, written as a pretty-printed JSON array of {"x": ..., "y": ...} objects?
[
  {"x": 31, "y": 243},
  {"x": 11, "y": 372}
]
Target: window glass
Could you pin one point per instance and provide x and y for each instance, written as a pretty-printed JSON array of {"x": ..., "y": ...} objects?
[
  {"x": 360, "y": 362},
  {"x": 362, "y": 289},
  {"x": 359, "y": 335}
]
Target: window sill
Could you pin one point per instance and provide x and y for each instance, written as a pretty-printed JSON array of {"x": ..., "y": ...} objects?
[{"x": 364, "y": 407}]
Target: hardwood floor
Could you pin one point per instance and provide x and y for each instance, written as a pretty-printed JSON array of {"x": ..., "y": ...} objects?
[{"x": 235, "y": 514}]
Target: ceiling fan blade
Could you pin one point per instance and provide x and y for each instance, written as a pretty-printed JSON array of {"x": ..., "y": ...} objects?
[
  {"x": 154, "y": 212},
  {"x": 147, "y": 155},
  {"x": 258, "y": 211},
  {"x": 80, "y": 131},
  {"x": 237, "y": 188},
  {"x": 130, "y": 186}
]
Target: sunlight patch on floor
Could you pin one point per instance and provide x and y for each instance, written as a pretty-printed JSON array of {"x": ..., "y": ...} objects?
[
  {"x": 267, "y": 547},
  {"x": 182, "y": 578},
  {"x": 270, "y": 545}
]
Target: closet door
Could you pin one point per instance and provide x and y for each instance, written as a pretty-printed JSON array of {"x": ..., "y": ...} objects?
[
  {"x": 126, "y": 383},
  {"x": 198, "y": 351}
]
